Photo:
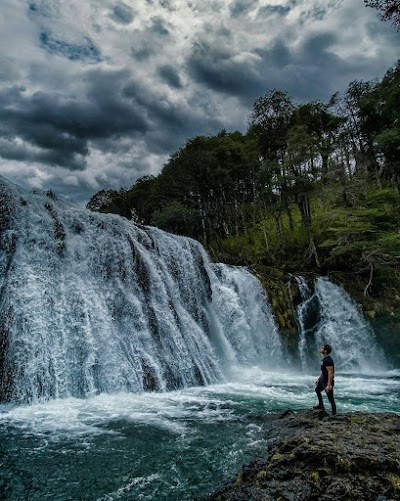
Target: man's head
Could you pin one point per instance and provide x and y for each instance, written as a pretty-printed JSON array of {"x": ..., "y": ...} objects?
[{"x": 325, "y": 349}]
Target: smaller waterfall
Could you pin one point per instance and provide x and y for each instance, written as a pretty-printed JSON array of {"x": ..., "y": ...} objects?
[
  {"x": 329, "y": 315},
  {"x": 343, "y": 326},
  {"x": 307, "y": 319}
]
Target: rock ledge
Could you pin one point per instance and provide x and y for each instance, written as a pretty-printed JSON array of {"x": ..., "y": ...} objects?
[{"x": 353, "y": 456}]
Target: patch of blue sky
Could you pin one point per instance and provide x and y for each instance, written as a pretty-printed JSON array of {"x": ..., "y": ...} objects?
[{"x": 75, "y": 52}]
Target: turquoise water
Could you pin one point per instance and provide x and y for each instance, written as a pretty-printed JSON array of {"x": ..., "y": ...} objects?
[{"x": 179, "y": 445}]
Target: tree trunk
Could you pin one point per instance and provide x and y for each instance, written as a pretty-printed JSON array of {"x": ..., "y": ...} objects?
[
  {"x": 290, "y": 216},
  {"x": 303, "y": 203},
  {"x": 324, "y": 169}
]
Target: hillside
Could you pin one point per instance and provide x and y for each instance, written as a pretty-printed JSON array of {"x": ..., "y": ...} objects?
[{"x": 310, "y": 189}]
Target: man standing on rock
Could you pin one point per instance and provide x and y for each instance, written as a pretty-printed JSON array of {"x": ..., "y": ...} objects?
[{"x": 326, "y": 379}]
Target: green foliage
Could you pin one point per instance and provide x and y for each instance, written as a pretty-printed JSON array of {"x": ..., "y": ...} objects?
[
  {"x": 388, "y": 142},
  {"x": 389, "y": 10},
  {"x": 308, "y": 187},
  {"x": 178, "y": 219},
  {"x": 271, "y": 120}
]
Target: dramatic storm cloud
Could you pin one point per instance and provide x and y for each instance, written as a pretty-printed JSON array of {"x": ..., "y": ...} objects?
[{"x": 96, "y": 94}]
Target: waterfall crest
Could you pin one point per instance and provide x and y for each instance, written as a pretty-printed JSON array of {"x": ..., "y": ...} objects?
[{"x": 92, "y": 303}]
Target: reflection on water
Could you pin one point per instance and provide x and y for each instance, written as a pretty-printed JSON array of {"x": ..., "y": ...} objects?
[{"x": 175, "y": 445}]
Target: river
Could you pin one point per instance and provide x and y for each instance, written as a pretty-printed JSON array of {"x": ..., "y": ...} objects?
[
  {"x": 131, "y": 367},
  {"x": 178, "y": 445}
]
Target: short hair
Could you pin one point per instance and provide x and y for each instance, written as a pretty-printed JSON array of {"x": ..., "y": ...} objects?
[{"x": 327, "y": 348}]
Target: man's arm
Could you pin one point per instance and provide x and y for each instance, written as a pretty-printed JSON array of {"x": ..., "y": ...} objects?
[
  {"x": 330, "y": 378},
  {"x": 318, "y": 380}
]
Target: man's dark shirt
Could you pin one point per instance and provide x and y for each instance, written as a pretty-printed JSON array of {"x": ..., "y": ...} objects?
[{"x": 326, "y": 362}]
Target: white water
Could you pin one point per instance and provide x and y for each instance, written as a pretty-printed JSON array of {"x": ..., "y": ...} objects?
[
  {"x": 343, "y": 324},
  {"x": 329, "y": 316},
  {"x": 251, "y": 389},
  {"x": 95, "y": 304},
  {"x": 302, "y": 312},
  {"x": 178, "y": 445}
]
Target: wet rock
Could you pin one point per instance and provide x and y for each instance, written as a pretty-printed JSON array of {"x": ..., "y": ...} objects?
[{"x": 353, "y": 456}]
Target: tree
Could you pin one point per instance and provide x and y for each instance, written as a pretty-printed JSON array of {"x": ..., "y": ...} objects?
[
  {"x": 389, "y": 10},
  {"x": 143, "y": 198},
  {"x": 270, "y": 120},
  {"x": 177, "y": 219},
  {"x": 215, "y": 176},
  {"x": 387, "y": 138},
  {"x": 301, "y": 152},
  {"x": 322, "y": 127}
]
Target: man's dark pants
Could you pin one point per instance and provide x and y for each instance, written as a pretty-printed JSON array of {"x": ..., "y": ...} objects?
[{"x": 321, "y": 387}]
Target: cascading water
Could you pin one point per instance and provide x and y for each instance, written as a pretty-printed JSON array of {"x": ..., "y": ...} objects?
[
  {"x": 343, "y": 324},
  {"x": 329, "y": 315},
  {"x": 91, "y": 303},
  {"x": 307, "y": 317},
  {"x": 241, "y": 309},
  {"x": 93, "y": 306}
]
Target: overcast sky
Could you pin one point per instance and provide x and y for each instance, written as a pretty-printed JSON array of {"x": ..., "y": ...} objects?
[{"x": 97, "y": 93}]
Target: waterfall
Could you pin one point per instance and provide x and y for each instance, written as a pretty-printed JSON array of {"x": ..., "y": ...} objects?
[
  {"x": 307, "y": 318},
  {"x": 329, "y": 315},
  {"x": 92, "y": 303},
  {"x": 241, "y": 308}
]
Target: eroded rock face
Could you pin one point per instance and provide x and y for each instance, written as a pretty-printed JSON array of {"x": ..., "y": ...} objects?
[{"x": 349, "y": 457}]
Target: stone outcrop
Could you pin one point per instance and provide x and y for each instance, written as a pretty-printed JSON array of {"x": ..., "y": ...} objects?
[{"x": 311, "y": 456}]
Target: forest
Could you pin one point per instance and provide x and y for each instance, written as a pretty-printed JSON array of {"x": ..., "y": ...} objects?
[{"x": 308, "y": 187}]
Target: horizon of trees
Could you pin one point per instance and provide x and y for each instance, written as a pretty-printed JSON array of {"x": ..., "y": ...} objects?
[{"x": 263, "y": 188}]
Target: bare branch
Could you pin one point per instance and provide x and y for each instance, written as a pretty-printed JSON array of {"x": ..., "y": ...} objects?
[{"x": 389, "y": 10}]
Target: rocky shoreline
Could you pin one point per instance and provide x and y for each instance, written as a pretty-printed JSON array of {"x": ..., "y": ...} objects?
[{"x": 313, "y": 456}]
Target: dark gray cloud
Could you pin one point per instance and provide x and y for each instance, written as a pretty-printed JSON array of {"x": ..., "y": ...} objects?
[
  {"x": 142, "y": 53},
  {"x": 61, "y": 126},
  {"x": 310, "y": 70},
  {"x": 170, "y": 76},
  {"x": 11, "y": 150},
  {"x": 167, "y": 4},
  {"x": 280, "y": 10},
  {"x": 40, "y": 8},
  {"x": 218, "y": 70},
  {"x": 171, "y": 124},
  {"x": 159, "y": 27},
  {"x": 122, "y": 13},
  {"x": 84, "y": 52},
  {"x": 58, "y": 130},
  {"x": 95, "y": 94},
  {"x": 240, "y": 7}
]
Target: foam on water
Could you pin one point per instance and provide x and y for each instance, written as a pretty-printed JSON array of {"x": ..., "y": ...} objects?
[
  {"x": 176, "y": 411},
  {"x": 176, "y": 445},
  {"x": 133, "y": 483}
]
